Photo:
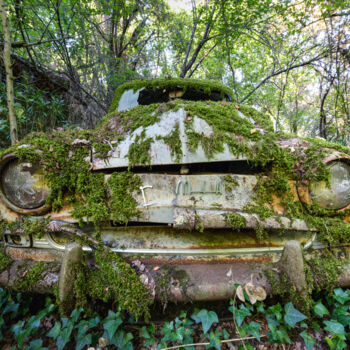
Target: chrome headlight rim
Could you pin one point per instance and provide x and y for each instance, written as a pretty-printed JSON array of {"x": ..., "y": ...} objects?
[
  {"x": 5, "y": 160},
  {"x": 304, "y": 190}
]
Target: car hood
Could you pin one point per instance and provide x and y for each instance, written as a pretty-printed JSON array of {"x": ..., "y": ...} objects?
[{"x": 182, "y": 132}]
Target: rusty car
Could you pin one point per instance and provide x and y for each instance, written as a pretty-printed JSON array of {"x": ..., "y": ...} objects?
[{"x": 197, "y": 193}]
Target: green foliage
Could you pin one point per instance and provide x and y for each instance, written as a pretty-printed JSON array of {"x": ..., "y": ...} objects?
[
  {"x": 36, "y": 109},
  {"x": 285, "y": 324},
  {"x": 292, "y": 315},
  {"x": 207, "y": 318}
]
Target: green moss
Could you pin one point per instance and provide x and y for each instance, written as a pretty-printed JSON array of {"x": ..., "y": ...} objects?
[
  {"x": 139, "y": 150},
  {"x": 122, "y": 204},
  {"x": 283, "y": 287},
  {"x": 323, "y": 272},
  {"x": 236, "y": 221},
  {"x": 30, "y": 276},
  {"x": 112, "y": 279},
  {"x": 5, "y": 261},
  {"x": 230, "y": 183},
  {"x": 170, "y": 84},
  {"x": 174, "y": 142}
]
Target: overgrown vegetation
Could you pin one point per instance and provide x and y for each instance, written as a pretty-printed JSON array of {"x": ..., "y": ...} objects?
[
  {"x": 64, "y": 157},
  {"x": 24, "y": 325}
]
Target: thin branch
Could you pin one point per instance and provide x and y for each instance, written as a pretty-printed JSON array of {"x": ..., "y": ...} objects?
[
  {"x": 281, "y": 71},
  {"x": 202, "y": 59},
  {"x": 21, "y": 44},
  {"x": 221, "y": 341}
]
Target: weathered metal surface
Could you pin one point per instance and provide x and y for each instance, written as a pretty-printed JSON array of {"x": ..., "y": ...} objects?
[
  {"x": 191, "y": 218},
  {"x": 185, "y": 282},
  {"x": 73, "y": 254},
  {"x": 216, "y": 282},
  {"x": 35, "y": 254},
  {"x": 160, "y": 153},
  {"x": 163, "y": 243},
  {"x": 179, "y": 199},
  {"x": 23, "y": 184},
  {"x": 292, "y": 264}
]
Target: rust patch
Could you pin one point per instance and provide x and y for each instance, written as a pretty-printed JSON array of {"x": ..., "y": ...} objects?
[
  {"x": 47, "y": 255},
  {"x": 216, "y": 261}
]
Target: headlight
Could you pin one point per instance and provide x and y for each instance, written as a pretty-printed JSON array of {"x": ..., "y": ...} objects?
[
  {"x": 23, "y": 187},
  {"x": 337, "y": 194}
]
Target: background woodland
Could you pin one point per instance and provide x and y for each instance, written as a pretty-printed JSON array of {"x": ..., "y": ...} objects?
[{"x": 290, "y": 59}]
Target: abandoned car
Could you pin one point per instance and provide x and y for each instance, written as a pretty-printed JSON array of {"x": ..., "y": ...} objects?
[{"x": 196, "y": 193}]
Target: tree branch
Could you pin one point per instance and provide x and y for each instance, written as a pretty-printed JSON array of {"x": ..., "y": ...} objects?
[{"x": 281, "y": 71}]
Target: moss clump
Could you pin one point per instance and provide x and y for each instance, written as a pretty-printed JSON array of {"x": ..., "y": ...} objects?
[
  {"x": 230, "y": 183},
  {"x": 112, "y": 279},
  {"x": 139, "y": 150},
  {"x": 323, "y": 272},
  {"x": 236, "y": 221},
  {"x": 174, "y": 142},
  {"x": 31, "y": 276},
  {"x": 121, "y": 202},
  {"x": 206, "y": 86},
  {"x": 283, "y": 287},
  {"x": 5, "y": 261}
]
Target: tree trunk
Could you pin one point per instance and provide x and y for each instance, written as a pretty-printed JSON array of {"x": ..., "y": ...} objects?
[{"x": 9, "y": 76}]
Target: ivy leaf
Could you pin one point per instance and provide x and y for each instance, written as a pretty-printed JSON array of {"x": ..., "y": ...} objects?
[
  {"x": 292, "y": 315},
  {"x": 226, "y": 334},
  {"x": 84, "y": 340},
  {"x": 278, "y": 335},
  {"x": 240, "y": 314},
  {"x": 111, "y": 326},
  {"x": 334, "y": 327},
  {"x": 75, "y": 314},
  {"x": 308, "y": 340},
  {"x": 168, "y": 327},
  {"x": 320, "y": 310},
  {"x": 36, "y": 344},
  {"x": 341, "y": 314},
  {"x": 340, "y": 296},
  {"x": 276, "y": 310},
  {"x": 55, "y": 330},
  {"x": 214, "y": 339},
  {"x": 253, "y": 328},
  {"x": 11, "y": 307},
  {"x": 122, "y": 340},
  {"x": 143, "y": 332},
  {"x": 64, "y": 336},
  {"x": 246, "y": 346},
  {"x": 207, "y": 318},
  {"x": 336, "y": 342}
]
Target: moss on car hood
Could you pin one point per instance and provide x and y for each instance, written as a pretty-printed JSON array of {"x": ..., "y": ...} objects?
[{"x": 206, "y": 86}]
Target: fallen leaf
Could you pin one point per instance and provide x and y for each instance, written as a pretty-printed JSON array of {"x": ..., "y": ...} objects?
[
  {"x": 255, "y": 292},
  {"x": 102, "y": 342},
  {"x": 240, "y": 293}
]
